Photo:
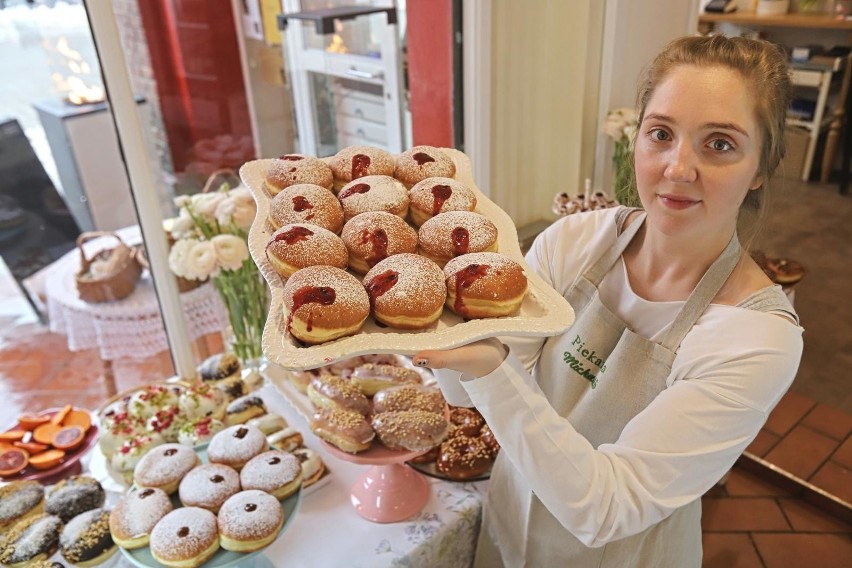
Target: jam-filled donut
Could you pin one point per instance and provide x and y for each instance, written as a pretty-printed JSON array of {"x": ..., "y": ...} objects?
[
  {"x": 421, "y": 162},
  {"x": 18, "y": 501},
  {"x": 374, "y": 193},
  {"x": 306, "y": 203},
  {"x": 355, "y": 162},
  {"x": 188, "y": 536},
  {"x": 487, "y": 436},
  {"x": 73, "y": 496},
  {"x": 407, "y": 291},
  {"x": 465, "y": 422},
  {"x": 485, "y": 285},
  {"x": 165, "y": 466},
  {"x": 86, "y": 539},
  {"x": 412, "y": 430},
  {"x": 249, "y": 521},
  {"x": 454, "y": 233},
  {"x": 374, "y": 236},
  {"x": 30, "y": 540},
  {"x": 236, "y": 445},
  {"x": 199, "y": 431},
  {"x": 324, "y": 303},
  {"x": 297, "y": 245},
  {"x": 208, "y": 486},
  {"x": 243, "y": 409},
  {"x": 330, "y": 391},
  {"x": 344, "y": 429},
  {"x": 134, "y": 517},
  {"x": 371, "y": 378},
  {"x": 409, "y": 397},
  {"x": 433, "y": 196},
  {"x": 292, "y": 169},
  {"x": 463, "y": 457},
  {"x": 276, "y": 472},
  {"x": 312, "y": 466}
]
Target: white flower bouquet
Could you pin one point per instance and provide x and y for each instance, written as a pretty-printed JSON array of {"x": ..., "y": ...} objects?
[{"x": 621, "y": 125}]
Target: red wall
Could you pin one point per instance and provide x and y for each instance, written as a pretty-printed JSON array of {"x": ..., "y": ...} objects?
[{"x": 430, "y": 71}]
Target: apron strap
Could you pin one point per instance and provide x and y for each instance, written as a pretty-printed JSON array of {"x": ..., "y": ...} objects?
[
  {"x": 704, "y": 292},
  {"x": 598, "y": 270}
]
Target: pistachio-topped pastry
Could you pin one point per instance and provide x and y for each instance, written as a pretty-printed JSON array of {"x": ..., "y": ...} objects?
[
  {"x": 73, "y": 496},
  {"x": 219, "y": 367},
  {"x": 86, "y": 540},
  {"x": 199, "y": 431},
  {"x": 36, "y": 538},
  {"x": 202, "y": 400}
]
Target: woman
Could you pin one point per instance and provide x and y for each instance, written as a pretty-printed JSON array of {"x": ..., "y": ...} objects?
[{"x": 681, "y": 345}]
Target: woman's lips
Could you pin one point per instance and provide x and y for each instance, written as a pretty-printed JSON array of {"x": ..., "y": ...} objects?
[{"x": 677, "y": 202}]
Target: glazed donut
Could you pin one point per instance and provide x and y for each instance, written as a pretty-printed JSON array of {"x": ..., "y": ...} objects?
[
  {"x": 236, "y": 445},
  {"x": 124, "y": 460},
  {"x": 345, "y": 429},
  {"x": 409, "y": 397},
  {"x": 485, "y": 285},
  {"x": 134, "y": 517},
  {"x": 411, "y": 430},
  {"x": 243, "y": 409},
  {"x": 165, "y": 466},
  {"x": 202, "y": 400},
  {"x": 373, "y": 193},
  {"x": 86, "y": 539},
  {"x": 268, "y": 423},
  {"x": 448, "y": 235},
  {"x": 463, "y": 457},
  {"x": 421, "y": 162},
  {"x": 436, "y": 195},
  {"x": 298, "y": 245},
  {"x": 276, "y": 472},
  {"x": 18, "y": 501},
  {"x": 301, "y": 379},
  {"x": 208, "y": 486},
  {"x": 394, "y": 284},
  {"x": 312, "y": 466},
  {"x": 428, "y": 457},
  {"x": 73, "y": 496},
  {"x": 465, "y": 422},
  {"x": 166, "y": 423},
  {"x": 372, "y": 378},
  {"x": 250, "y": 520},
  {"x": 487, "y": 436},
  {"x": 188, "y": 536},
  {"x": 324, "y": 303},
  {"x": 305, "y": 203},
  {"x": 286, "y": 439},
  {"x": 293, "y": 169},
  {"x": 199, "y": 431},
  {"x": 356, "y": 162},
  {"x": 329, "y": 391},
  {"x": 373, "y": 236},
  {"x": 33, "y": 539}
]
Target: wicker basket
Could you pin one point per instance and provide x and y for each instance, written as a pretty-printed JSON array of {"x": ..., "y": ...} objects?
[{"x": 119, "y": 282}]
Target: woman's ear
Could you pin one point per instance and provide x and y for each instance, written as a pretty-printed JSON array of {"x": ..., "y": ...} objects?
[{"x": 756, "y": 183}]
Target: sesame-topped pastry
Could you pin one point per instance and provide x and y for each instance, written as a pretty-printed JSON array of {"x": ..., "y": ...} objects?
[
  {"x": 329, "y": 391},
  {"x": 345, "y": 429},
  {"x": 371, "y": 378},
  {"x": 243, "y": 409},
  {"x": 86, "y": 539},
  {"x": 124, "y": 460},
  {"x": 208, "y": 486},
  {"x": 236, "y": 445},
  {"x": 412, "y": 430},
  {"x": 134, "y": 517},
  {"x": 201, "y": 400},
  {"x": 293, "y": 169},
  {"x": 421, "y": 162},
  {"x": 163, "y": 467},
  {"x": 219, "y": 367},
  {"x": 20, "y": 500},
  {"x": 374, "y": 193},
  {"x": 306, "y": 203},
  {"x": 355, "y": 162},
  {"x": 436, "y": 195},
  {"x": 250, "y": 520},
  {"x": 147, "y": 401},
  {"x": 30, "y": 540},
  {"x": 73, "y": 496},
  {"x": 276, "y": 472},
  {"x": 409, "y": 397},
  {"x": 166, "y": 422},
  {"x": 374, "y": 236},
  {"x": 199, "y": 431},
  {"x": 187, "y": 536}
]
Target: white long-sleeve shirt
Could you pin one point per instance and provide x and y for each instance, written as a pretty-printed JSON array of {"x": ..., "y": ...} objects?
[{"x": 729, "y": 373}]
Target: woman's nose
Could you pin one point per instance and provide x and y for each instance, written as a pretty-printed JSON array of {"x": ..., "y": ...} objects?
[{"x": 681, "y": 165}]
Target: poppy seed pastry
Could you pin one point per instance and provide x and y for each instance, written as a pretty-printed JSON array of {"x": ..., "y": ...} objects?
[
  {"x": 299, "y": 245},
  {"x": 421, "y": 162},
  {"x": 407, "y": 291},
  {"x": 30, "y": 540},
  {"x": 455, "y": 233},
  {"x": 18, "y": 501},
  {"x": 355, "y": 162},
  {"x": 306, "y": 203},
  {"x": 436, "y": 195},
  {"x": 73, "y": 496},
  {"x": 374, "y": 193},
  {"x": 485, "y": 285},
  {"x": 293, "y": 169}
]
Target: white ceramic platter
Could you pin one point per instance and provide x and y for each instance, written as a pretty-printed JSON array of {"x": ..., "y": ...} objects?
[{"x": 543, "y": 313}]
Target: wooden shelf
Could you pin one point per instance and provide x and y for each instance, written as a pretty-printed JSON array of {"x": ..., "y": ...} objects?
[{"x": 796, "y": 20}]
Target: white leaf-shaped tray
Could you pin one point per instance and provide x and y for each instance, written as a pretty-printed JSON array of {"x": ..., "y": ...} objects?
[{"x": 543, "y": 313}]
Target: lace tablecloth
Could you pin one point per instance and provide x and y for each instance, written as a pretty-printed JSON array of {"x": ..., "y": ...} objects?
[{"x": 131, "y": 327}]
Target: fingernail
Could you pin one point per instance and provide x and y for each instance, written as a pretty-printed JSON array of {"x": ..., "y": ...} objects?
[{"x": 421, "y": 362}]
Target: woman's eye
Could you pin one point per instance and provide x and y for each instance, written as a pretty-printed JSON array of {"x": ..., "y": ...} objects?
[
  {"x": 659, "y": 134},
  {"x": 721, "y": 145}
]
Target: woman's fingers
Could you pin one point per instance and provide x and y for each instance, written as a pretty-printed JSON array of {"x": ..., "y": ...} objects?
[{"x": 477, "y": 359}]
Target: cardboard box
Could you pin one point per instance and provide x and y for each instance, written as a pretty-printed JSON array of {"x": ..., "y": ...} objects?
[{"x": 797, "y": 147}]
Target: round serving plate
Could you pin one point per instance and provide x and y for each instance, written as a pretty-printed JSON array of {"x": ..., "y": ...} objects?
[{"x": 432, "y": 470}]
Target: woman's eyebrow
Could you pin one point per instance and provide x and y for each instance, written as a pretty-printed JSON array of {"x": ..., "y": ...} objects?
[{"x": 710, "y": 125}]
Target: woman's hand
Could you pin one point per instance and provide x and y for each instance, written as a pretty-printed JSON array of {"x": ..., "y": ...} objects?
[{"x": 477, "y": 359}]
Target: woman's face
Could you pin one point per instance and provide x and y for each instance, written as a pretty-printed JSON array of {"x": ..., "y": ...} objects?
[{"x": 697, "y": 151}]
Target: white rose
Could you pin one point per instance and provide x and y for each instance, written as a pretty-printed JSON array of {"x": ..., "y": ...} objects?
[
  {"x": 201, "y": 261},
  {"x": 205, "y": 204},
  {"x": 231, "y": 251},
  {"x": 239, "y": 211},
  {"x": 181, "y": 201},
  {"x": 613, "y": 129},
  {"x": 178, "y": 256},
  {"x": 241, "y": 194},
  {"x": 244, "y": 215},
  {"x": 183, "y": 225}
]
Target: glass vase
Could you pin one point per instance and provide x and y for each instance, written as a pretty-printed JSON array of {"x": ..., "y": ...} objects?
[{"x": 246, "y": 298}]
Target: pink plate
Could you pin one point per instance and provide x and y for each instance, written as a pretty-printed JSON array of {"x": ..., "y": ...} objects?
[{"x": 64, "y": 467}]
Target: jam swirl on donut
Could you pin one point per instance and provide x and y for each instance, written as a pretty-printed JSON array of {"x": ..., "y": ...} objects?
[
  {"x": 291, "y": 157},
  {"x": 380, "y": 284},
  {"x": 422, "y": 158},
  {"x": 461, "y": 240},
  {"x": 465, "y": 279},
  {"x": 301, "y": 203},
  {"x": 360, "y": 166},
  {"x": 352, "y": 190},
  {"x": 440, "y": 194},
  {"x": 293, "y": 236},
  {"x": 378, "y": 240},
  {"x": 324, "y": 295}
]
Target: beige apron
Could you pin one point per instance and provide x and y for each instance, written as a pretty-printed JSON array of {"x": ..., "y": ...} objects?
[{"x": 628, "y": 372}]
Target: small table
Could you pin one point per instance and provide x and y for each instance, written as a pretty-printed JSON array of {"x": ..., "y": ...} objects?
[{"x": 131, "y": 327}]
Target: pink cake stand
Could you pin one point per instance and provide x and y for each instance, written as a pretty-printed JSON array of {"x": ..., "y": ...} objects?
[{"x": 388, "y": 491}]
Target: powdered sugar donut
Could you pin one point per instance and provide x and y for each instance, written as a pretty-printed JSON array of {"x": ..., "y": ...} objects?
[
  {"x": 356, "y": 162},
  {"x": 298, "y": 245},
  {"x": 208, "y": 486},
  {"x": 188, "y": 536},
  {"x": 236, "y": 445},
  {"x": 292, "y": 169},
  {"x": 165, "y": 466},
  {"x": 407, "y": 291},
  {"x": 249, "y": 521},
  {"x": 276, "y": 472},
  {"x": 483, "y": 285},
  {"x": 421, "y": 162},
  {"x": 306, "y": 203},
  {"x": 373, "y": 236},
  {"x": 374, "y": 193},
  {"x": 133, "y": 519},
  {"x": 439, "y": 195},
  {"x": 454, "y": 233}
]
